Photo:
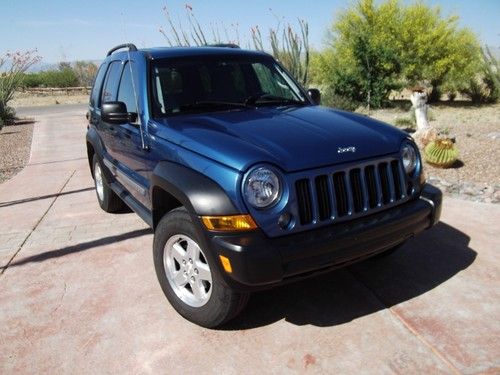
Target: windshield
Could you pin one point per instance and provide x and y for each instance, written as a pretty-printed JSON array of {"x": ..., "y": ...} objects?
[{"x": 207, "y": 83}]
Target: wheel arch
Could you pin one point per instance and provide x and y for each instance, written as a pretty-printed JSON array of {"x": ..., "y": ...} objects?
[{"x": 174, "y": 185}]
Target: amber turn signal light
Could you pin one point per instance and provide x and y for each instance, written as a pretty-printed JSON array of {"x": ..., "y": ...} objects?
[
  {"x": 226, "y": 263},
  {"x": 229, "y": 223}
]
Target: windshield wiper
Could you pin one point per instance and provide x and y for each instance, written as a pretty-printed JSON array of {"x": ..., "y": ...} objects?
[
  {"x": 215, "y": 103},
  {"x": 263, "y": 98}
]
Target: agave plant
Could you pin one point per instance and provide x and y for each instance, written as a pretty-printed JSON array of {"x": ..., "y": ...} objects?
[{"x": 441, "y": 153}]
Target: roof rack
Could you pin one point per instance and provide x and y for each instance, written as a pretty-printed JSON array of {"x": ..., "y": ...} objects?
[
  {"x": 224, "y": 45},
  {"x": 130, "y": 46}
]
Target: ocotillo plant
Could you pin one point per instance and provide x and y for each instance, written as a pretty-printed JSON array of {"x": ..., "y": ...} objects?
[
  {"x": 289, "y": 47},
  {"x": 13, "y": 65}
]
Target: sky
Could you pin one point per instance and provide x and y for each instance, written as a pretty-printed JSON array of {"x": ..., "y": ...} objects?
[{"x": 68, "y": 30}]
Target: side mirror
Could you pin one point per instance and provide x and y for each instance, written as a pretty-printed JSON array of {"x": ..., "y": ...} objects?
[
  {"x": 116, "y": 113},
  {"x": 315, "y": 96}
]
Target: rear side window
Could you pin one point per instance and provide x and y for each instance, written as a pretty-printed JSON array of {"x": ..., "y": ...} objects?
[
  {"x": 96, "y": 89},
  {"x": 112, "y": 80},
  {"x": 128, "y": 85}
]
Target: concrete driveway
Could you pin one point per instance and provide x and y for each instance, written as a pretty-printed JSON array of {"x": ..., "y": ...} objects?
[{"x": 78, "y": 292}]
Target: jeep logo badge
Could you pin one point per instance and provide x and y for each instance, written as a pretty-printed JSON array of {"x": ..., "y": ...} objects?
[{"x": 342, "y": 150}]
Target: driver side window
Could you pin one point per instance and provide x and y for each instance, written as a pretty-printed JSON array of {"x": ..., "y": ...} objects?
[
  {"x": 111, "y": 84},
  {"x": 128, "y": 88}
]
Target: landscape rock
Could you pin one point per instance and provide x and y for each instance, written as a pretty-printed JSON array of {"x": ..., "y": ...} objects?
[{"x": 493, "y": 135}]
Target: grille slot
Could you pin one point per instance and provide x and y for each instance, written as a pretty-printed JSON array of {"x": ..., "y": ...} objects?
[
  {"x": 357, "y": 191},
  {"x": 341, "y": 194},
  {"x": 384, "y": 182},
  {"x": 304, "y": 201},
  {"x": 323, "y": 197},
  {"x": 371, "y": 185},
  {"x": 396, "y": 175}
]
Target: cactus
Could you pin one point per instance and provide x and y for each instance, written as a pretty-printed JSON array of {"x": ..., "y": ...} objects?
[{"x": 441, "y": 153}]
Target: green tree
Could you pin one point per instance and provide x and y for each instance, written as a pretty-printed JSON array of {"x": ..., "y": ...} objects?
[
  {"x": 436, "y": 51},
  {"x": 362, "y": 61},
  {"x": 375, "y": 48}
]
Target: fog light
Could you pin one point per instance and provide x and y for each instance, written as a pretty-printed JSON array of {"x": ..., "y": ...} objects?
[
  {"x": 229, "y": 223},
  {"x": 285, "y": 220},
  {"x": 226, "y": 263}
]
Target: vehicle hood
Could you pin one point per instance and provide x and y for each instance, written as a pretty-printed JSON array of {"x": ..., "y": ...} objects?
[{"x": 292, "y": 139}]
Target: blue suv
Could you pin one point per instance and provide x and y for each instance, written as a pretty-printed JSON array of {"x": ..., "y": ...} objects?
[{"x": 246, "y": 180}]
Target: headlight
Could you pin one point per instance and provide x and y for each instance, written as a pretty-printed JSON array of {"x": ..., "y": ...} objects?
[
  {"x": 262, "y": 187},
  {"x": 409, "y": 158}
]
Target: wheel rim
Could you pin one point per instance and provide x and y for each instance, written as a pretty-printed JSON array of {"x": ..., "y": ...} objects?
[
  {"x": 99, "y": 186},
  {"x": 187, "y": 270}
]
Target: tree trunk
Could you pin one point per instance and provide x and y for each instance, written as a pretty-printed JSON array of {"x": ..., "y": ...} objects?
[
  {"x": 419, "y": 101},
  {"x": 425, "y": 132}
]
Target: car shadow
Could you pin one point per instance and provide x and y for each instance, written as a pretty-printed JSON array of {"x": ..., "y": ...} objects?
[{"x": 341, "y": 296}]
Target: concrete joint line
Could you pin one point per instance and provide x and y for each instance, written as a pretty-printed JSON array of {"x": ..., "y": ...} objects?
[
  {"x": 37, "y": 224},
  {"x": 409, "y": 327}
]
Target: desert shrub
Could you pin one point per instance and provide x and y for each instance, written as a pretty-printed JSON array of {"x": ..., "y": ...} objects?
[
  {"x": 80, "y": 73},
  {"x": 330, "y": 99},
  {"x": 31, "y": 80},
  {"x": 85, "y": 72},
  {"x": 484, "y": 87},
  {"x": 13, "y": 66},
  {"x": 406, "y": 122},
  {"x": 58, "y": 78},
  {"x": 7, "y": 115}
]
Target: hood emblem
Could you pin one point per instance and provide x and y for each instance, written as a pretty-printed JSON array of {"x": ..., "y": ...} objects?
[{"x": 342, "y": 150}]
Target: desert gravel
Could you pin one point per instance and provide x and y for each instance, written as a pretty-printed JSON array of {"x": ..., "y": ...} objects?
[
  {"x": 15, "y": 147},
  {"x": 474, "y": 129}
]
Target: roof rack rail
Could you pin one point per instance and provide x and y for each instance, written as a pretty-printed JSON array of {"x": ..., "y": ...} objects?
[
  {"x": 130, "y": 46},
  {"x": 224, "y": 45}
]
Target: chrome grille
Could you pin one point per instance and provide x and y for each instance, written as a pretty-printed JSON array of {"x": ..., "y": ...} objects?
[{"x": 350, "y": 192}]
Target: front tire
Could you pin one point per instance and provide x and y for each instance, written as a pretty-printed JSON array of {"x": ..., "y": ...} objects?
[
  {"x": 188, "y": 276},
  {"x": 107, "y": 198}
]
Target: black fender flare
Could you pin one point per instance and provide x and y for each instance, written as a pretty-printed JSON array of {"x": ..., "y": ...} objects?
[
  {"x": 93, "y": 138},
  {"x": 200, "y": 195}
]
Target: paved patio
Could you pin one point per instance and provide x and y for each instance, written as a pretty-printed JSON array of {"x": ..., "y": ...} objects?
[{"x": 78, "y": 292}]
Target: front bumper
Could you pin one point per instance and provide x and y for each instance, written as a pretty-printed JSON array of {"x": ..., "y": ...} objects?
[{"x": 259, "y": 262}]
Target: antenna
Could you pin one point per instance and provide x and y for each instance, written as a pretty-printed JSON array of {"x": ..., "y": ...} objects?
[{"x": 132, "y": 47}]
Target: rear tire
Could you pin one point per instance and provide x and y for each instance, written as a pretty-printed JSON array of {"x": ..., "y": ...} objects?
[
  {"x": 107, "y": 198},
  {"x": 188, "y": 276}
]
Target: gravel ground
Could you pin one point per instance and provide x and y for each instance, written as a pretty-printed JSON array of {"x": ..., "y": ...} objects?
[
  {"x": 15, "y": 147},
  {"x": 477, "y": 174}
]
